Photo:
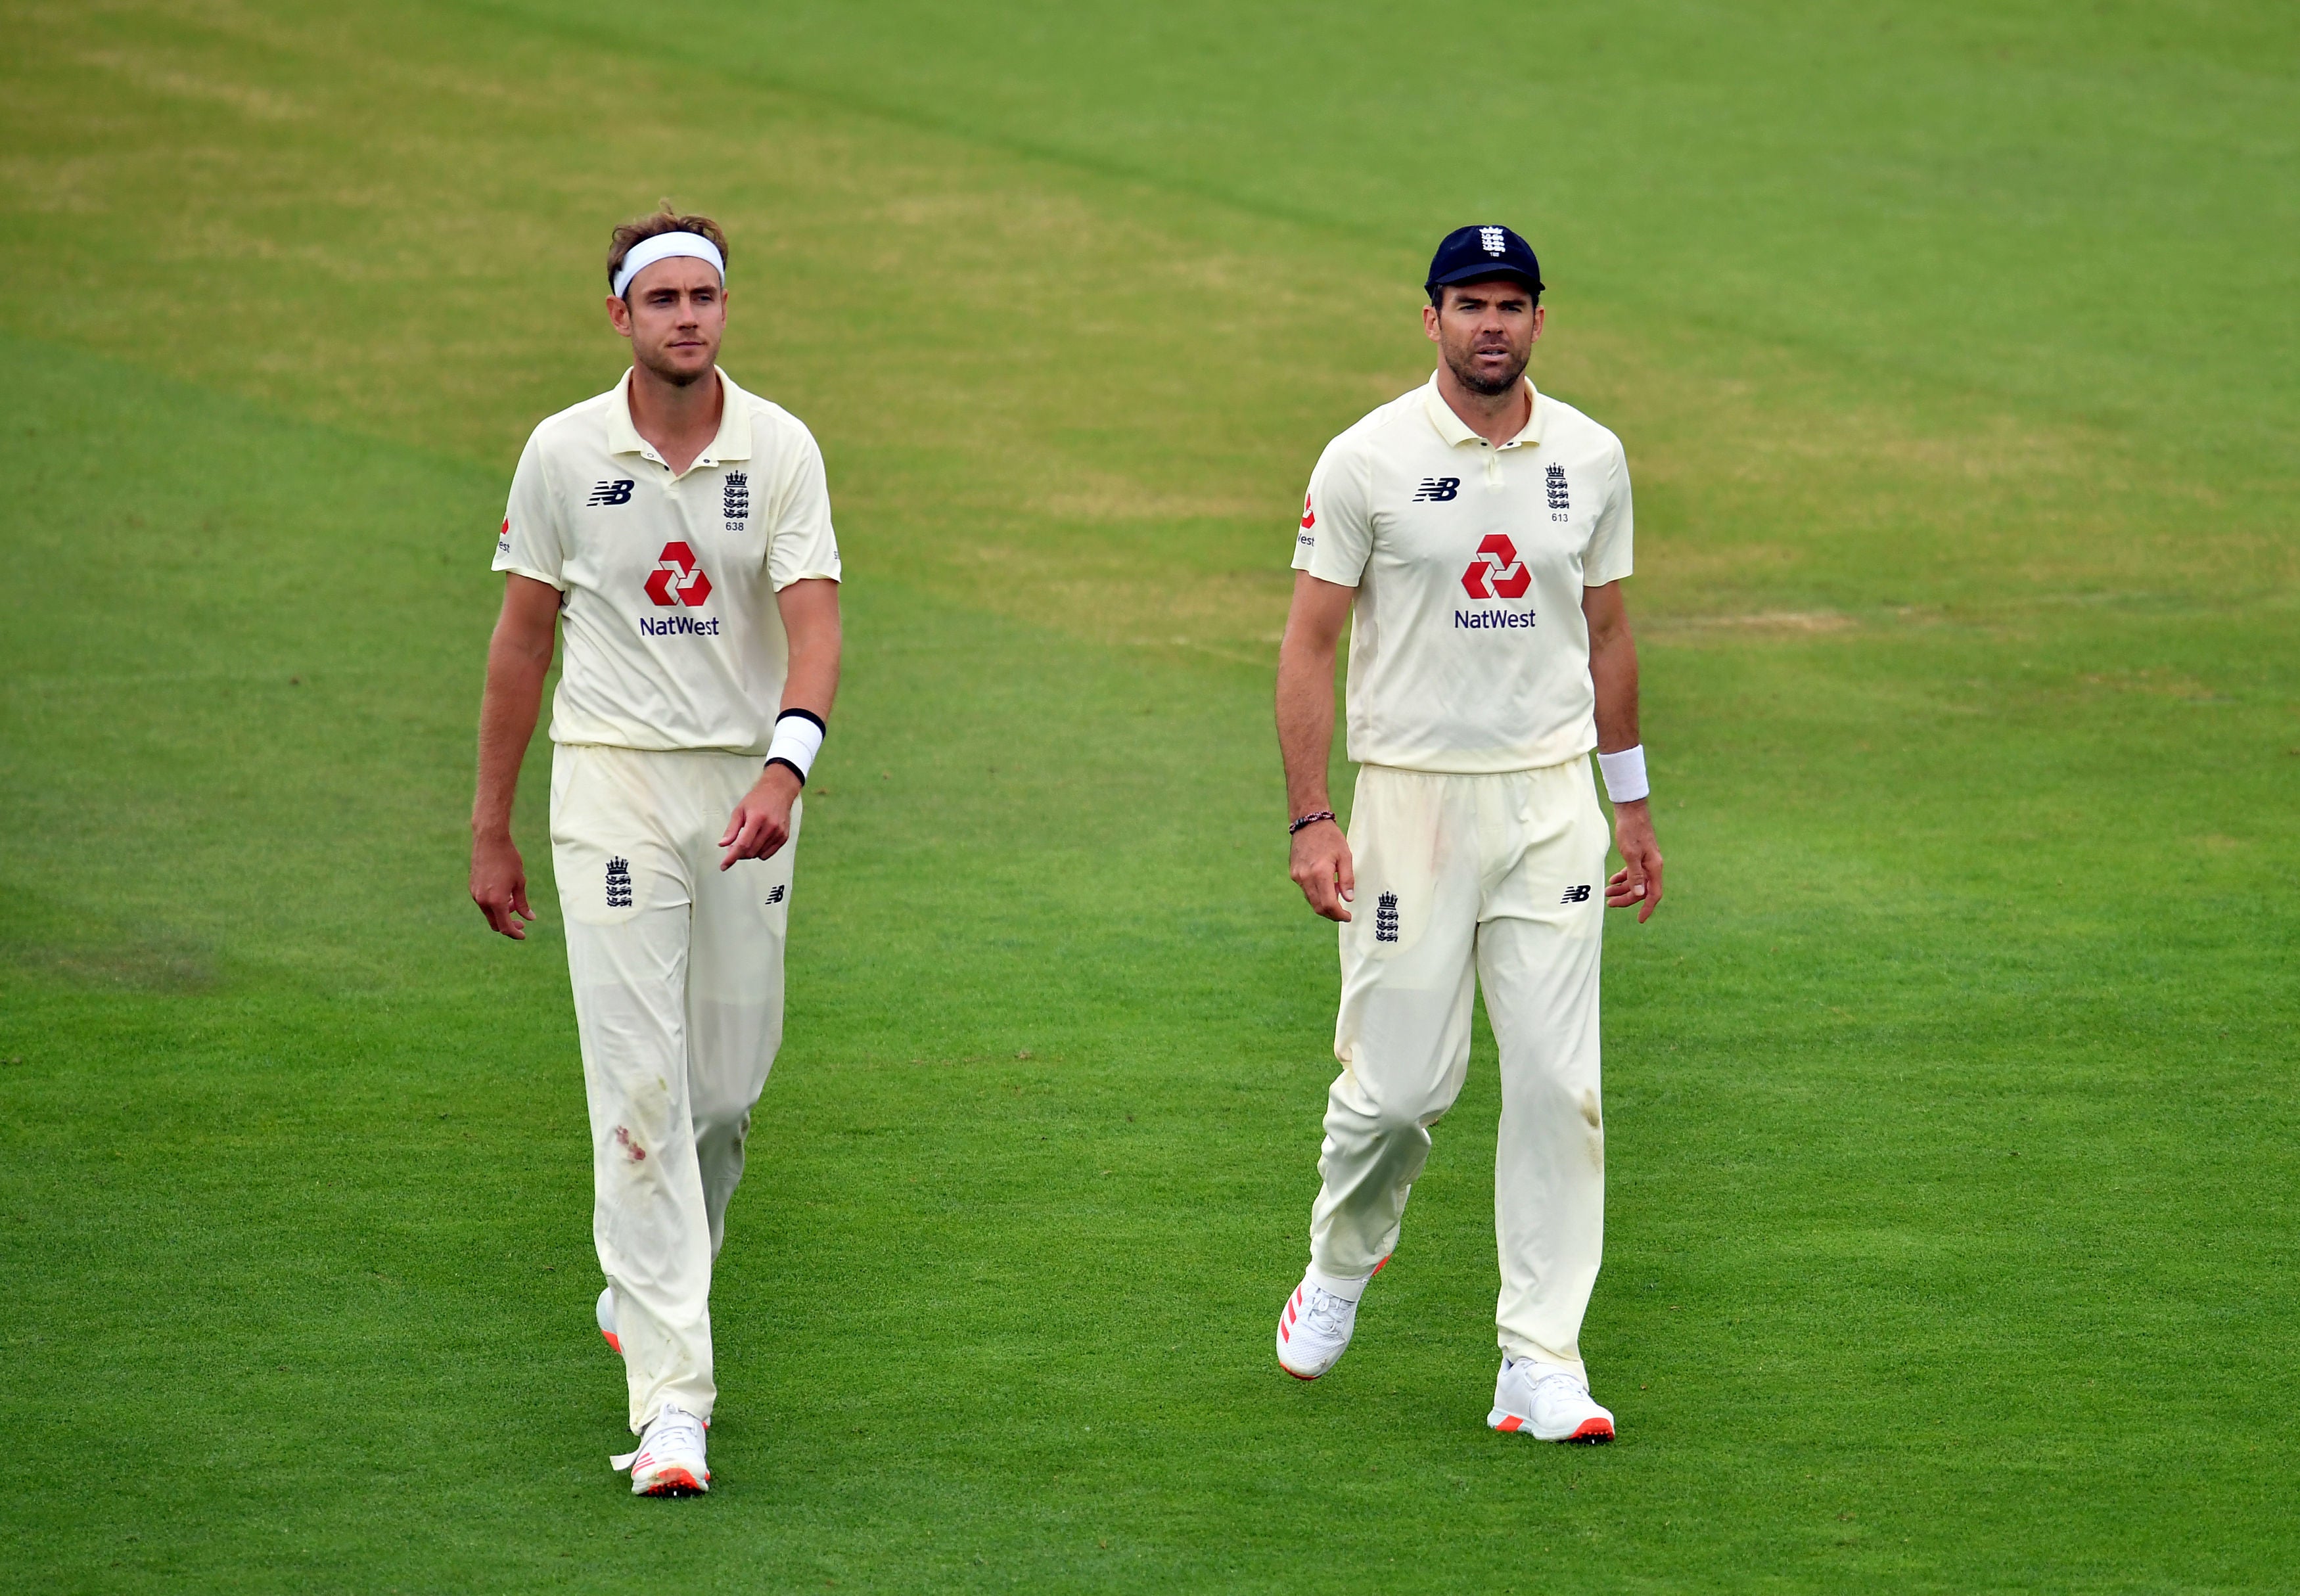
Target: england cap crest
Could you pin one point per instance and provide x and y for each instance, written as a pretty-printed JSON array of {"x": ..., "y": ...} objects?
[{"x": 1468, "y": 253}]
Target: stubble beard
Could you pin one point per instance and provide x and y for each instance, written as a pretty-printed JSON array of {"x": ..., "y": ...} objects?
[
  {"x": 1466, "y": 372},
  {"x": 678, "y": 378}
]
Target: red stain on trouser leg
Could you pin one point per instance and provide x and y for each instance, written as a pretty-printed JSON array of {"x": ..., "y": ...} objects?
[{"x": 623, "y": 1140}]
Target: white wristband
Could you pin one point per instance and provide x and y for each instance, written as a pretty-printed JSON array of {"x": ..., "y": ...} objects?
[
  {"x": 799, "y": 738},
  {"x": 1625, "y": 774}
]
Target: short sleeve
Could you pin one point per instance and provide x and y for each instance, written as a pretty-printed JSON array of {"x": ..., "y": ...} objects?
[
  {"x": 529, "y": 544},
  {"x": 1611, "y": 554},
  {"x": 803, "y": 544},
  {"x": 1337, "y": 535}
]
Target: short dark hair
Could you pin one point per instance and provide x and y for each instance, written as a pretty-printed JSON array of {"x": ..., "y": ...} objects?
[
  {"x": 666, "y": 219},
  {"x": 1438, "y": 290}
]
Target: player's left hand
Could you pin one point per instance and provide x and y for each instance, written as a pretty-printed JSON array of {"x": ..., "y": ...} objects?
[
  {"x": 760, "y": 823},
  {"x": 1639, "y": 880}
]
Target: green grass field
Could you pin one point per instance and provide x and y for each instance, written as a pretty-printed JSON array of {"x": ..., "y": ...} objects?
[{"x": 1951, "y": 1098}]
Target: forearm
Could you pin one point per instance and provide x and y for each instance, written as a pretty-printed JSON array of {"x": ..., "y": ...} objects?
[
  {"x": 1614, "y": 673},
  {"x": 809, "y": 609},
  {"x": 813, "y": 682},
  {"x": 507, "y": 716},
  {"x": 760, "y": 823},
  {"x": 1305, "y": 724}
]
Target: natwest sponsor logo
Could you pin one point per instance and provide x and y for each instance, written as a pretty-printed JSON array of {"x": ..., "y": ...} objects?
[
  {"x": 676, "y": 572},
  {"x": 680, "y": 626},
  {"x": 1496, "y": 572}
]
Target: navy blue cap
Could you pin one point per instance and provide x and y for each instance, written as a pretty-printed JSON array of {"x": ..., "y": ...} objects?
[{"x": 1470, "y": 254}]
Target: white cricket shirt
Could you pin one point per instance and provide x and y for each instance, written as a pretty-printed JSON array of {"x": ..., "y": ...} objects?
[
  {"x": 667, "y": 582},
  {"x": 1468, "y": 653}
]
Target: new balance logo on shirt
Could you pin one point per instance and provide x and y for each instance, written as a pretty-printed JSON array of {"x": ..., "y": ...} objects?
[
  {"x": 618, "y": 492},
  {"x": 1575, "y": 894},
  {"x": 1438, "y": 490}
]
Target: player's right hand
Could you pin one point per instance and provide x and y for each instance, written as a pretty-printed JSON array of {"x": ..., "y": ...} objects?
[
  {"x": 1323, "y": 869},
  {"x": 499, "y": 884}
]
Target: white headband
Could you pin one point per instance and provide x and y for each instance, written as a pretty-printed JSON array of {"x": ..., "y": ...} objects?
[{"x": 663, "y": 247}]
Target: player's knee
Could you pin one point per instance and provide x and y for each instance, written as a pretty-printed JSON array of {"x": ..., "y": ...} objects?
[
  {"x": 1355, "y": 1109},
  {"x": 717, "y": 1114},
  {"x": 1393, "y": 1120}
]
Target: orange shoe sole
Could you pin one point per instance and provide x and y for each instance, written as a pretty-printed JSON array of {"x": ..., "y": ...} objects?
[
  {"x": 677, "y": 1482},
  {"x": 1593, "y": 1432}
]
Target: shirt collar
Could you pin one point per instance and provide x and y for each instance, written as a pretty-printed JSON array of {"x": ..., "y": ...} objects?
[
  {"x": 1455, "y": 431},
  {"x": 733, "y": 441}
]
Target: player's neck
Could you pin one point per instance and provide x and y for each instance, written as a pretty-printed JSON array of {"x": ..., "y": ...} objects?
[
  {"x": 680, "y": 420},
  {"x": 1495, "y": 418}
]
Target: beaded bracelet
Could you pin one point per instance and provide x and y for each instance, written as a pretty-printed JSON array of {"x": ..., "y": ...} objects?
[{"x": 1323, "y": 814}]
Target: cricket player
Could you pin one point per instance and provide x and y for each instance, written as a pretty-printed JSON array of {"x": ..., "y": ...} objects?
[
  {"x": 677, "y": 530},
  {"x": 1475, "y": 533}
]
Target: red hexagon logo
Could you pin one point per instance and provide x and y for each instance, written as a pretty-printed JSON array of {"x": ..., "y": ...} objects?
[
  {"x": 1496, "y": 572},
  {"x": 677, "y": 572}
]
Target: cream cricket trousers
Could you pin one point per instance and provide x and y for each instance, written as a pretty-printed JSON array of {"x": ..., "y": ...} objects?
[
  {"x": 1499, "y": 879},
  {"x": 677, "y": 970}
]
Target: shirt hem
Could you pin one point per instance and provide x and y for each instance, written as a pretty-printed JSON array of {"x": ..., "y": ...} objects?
[
  {"x": 1310, "y": 568},
  {"x": 806, "y": 576},
  {"x": 758, "y": 752},
  {"x": 1517, "y": 769},
  {"x": 529, "y": 572}
]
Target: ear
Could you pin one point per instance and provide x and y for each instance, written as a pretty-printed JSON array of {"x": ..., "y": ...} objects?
[
  {"x": 1540, "y": 315},
  {"x": 1429, "y": 324},
  {"x": 619, "y": 314}
]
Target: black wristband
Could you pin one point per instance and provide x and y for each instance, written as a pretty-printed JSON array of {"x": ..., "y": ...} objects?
[
  {"x": 786, "y": 765},
  {"x": 804, "y": 715},
  {"x": 1323, "y": 814}
]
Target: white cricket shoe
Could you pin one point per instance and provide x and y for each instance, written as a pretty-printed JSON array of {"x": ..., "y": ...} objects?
[
  {"x": 607, "y": 1318},
  {"x": 1548, "y": 1404},
  {"x": 670, "y": 1459},
  {"x": 1315, "y": 1327}
]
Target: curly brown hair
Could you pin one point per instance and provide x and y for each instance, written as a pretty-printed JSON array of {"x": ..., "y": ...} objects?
[{"x": 665, "y": 220}]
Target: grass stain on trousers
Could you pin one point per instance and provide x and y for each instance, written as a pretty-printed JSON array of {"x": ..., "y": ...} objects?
[{"x": 677, "y": 972}]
